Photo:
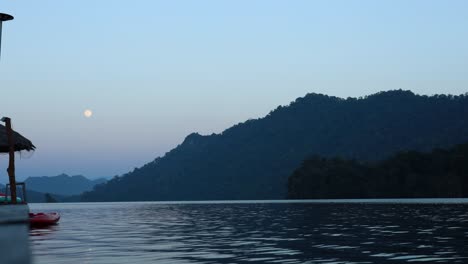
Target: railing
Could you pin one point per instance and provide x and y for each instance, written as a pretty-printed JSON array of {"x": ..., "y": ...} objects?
[{"x": 22, "y": 200}]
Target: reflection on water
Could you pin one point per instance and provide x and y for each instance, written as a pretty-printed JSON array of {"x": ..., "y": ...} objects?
[{"x": 253, "y": 233}]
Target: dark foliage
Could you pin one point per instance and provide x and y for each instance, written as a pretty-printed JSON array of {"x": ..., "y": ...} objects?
[
  {"x": 49, "y": 198},
  {"x": 253, "y": 160},
  {"x": 439, "y": 174},
  {"x": 38, "y": 197}
]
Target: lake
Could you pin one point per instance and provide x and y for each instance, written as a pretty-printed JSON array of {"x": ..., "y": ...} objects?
[{"x": 364, "y": 231}]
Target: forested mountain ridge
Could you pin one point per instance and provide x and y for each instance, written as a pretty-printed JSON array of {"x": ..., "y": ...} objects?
[
  {"x": 438, "y": 174},
  {"x": 252, "y": 160}
]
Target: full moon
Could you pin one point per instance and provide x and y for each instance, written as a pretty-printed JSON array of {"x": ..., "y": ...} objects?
[{"x": 88, "y": 113}]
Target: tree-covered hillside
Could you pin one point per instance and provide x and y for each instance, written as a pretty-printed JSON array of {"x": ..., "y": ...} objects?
[
  {"x": 253, "y": 160},
  {"x": 439, "y": 174}
]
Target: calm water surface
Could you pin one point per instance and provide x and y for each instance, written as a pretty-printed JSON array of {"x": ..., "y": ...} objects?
[{"x": 253, "y": 232}]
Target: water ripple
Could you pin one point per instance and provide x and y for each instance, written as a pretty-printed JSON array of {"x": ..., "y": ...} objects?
[{"x": 253, "y": 233}]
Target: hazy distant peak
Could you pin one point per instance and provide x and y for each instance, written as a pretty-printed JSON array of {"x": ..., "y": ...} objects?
[
  {"x": 79, "y": 177},
  {"x": 62, "y": 184}
]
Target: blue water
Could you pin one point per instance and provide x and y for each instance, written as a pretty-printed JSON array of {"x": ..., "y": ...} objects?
[{"x": 329, "y": 231}]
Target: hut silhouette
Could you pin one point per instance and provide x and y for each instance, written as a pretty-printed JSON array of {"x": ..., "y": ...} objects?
[{"x": 11, "y": 142}]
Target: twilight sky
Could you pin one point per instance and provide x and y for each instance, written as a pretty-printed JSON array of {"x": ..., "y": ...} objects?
[{"x": 155, "y": 71}]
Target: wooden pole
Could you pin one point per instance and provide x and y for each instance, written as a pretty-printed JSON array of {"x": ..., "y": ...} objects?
[
  {"x": 10, "y": 135},
  {"x": 1, "y": 22},
  {"x": 11, "y": 164}
]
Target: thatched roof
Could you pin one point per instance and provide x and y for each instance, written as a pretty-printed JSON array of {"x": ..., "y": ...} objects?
[
  {"x": 21, "y": 143},
  {"x": 5, "y": 17}
]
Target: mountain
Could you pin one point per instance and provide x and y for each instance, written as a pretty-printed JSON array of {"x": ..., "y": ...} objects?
[
  {"x": 62, "y": 184},
  {"x": 253, "y": 160},
  {"x": 439, "y": 174}
]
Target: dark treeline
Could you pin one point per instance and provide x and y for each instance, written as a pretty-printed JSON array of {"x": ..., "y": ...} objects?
[
  {"x": 49, "y": 198},
  {"x": 254, "y": 159},
  {"x": 441, "y": 173}
]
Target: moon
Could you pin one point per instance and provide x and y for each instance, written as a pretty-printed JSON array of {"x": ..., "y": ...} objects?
[{"x": 88, "y": 113}]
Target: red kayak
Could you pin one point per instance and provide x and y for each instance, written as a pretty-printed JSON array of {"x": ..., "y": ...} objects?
[{"x": 43, "y": 219}]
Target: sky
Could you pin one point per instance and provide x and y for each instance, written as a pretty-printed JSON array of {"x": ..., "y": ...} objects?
[{"x": 154, "y": 71}]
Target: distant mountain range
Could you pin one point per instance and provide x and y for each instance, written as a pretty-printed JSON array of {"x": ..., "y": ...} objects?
[
  {"x": 63, "y": 185},
  {"x": 253, "y": 160}
]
